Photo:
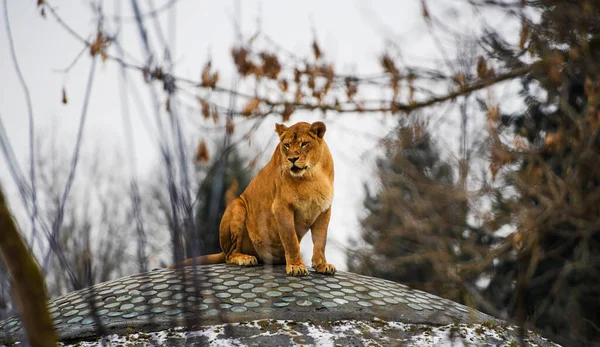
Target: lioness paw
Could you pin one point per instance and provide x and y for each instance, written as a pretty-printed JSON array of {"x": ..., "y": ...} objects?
[
  {"x": 324, "y": 268},
  {"x": 243, "y": 260},
  {"x": 296, "y": 270}
]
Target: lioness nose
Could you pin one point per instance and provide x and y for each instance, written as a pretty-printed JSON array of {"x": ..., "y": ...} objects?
[{"x": 293, "y": 160}]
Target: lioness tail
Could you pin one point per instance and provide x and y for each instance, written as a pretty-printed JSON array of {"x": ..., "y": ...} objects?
[{"x": 217, "y": 258}]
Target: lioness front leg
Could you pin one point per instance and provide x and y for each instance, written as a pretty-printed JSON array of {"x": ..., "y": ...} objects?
[
  {"x": 284, "y": 217},
  {"x": 231, "y": 234},
  {"x": 319, "y": 237}
]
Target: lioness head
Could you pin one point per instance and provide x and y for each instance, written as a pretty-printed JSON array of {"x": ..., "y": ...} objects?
[{"x": 300, "y": 146}]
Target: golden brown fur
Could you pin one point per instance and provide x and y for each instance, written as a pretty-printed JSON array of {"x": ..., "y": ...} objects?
[{"x": 289, "y": 196}]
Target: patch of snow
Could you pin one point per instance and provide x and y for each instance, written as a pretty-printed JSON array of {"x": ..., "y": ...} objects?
[
  {"x": 505, "y": 230},
  {"x": 372, "y": 333},
  {"x": 319, "y": 335},
  {"x": 483, "y": 282}
]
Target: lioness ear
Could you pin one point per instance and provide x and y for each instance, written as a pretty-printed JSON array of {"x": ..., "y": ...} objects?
[
  {"x": 280, "y": 129},
  {"x": 318, "y": 128}
]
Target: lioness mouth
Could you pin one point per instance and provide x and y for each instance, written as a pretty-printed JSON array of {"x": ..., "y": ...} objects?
[{"x": 296, "y": 169}]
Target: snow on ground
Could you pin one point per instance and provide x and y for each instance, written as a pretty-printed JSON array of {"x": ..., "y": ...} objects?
[{"x": 350, "y": 332}]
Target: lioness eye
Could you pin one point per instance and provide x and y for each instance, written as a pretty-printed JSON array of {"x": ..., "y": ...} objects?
[
  {"x": 286, "y": 145},
  {"x": 304, "y": 144}
]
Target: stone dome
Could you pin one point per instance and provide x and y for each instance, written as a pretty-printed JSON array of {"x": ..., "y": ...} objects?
[{"x": 244, "y": 303}]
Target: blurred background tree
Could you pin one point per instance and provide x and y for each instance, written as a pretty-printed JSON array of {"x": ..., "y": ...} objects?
[
  {"x": 416, "y": 227},
  {"x": 552, "y": 279},
  {"x": 236, "y": 174}
]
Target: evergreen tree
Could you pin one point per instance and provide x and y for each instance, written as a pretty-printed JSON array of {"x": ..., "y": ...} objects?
[
  {"x": 236, "y": 176},
  {"x": 416, "y": 231},
  {"x": 552, "y": 278}
]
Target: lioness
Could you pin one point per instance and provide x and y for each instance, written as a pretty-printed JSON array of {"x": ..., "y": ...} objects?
[{"x": 289, "y": 196}]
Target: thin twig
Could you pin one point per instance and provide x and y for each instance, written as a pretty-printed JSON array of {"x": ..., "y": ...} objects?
[{"x": 34, "y": 202}]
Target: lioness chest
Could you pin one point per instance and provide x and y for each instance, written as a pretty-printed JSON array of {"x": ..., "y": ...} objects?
[{"x": 310, "y": 201}]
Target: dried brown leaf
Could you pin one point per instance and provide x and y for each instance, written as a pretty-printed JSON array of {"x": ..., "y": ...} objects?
[
  {"x": 64, "y": 96},
  {"x": 351, "y": 87},
  {"x": 425, "y": 11},
  {"x": 493, "y": 113},
  {"x": 202, "y": 153},
  {"x": 298, "y": 95},
  {"x": 500, "y": 156},
  {"x": 482, "y": 69},
  {"x": 230, "y": 127},
  {"x": 215, "y": 115},
  {"x": 316, "y": 50},
  {"x": 327, "y": 72},
  {"x": 311, "y": 81},
  {"x": 460, "y": 79},
  {"x": 241, "y": 61},
  {"x": 208, "y": 78},
  {"x": 388, "y": 65},
  {"x": 287, "y": 112},
  {"x": 297, "y": 75},
  {"x": 517, "y": 240},
  {"x": 524, "y": 34},
  {"x": 205, "y": 106},
  {"x": 251, "y": 107},
  {"x": 283, "y": 85},
  {"x": 552, "y": 140},
  {"x": 270, "y": 65}
]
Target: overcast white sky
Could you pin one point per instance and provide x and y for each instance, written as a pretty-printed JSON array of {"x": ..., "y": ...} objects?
[{"x": 351, "y": 33}]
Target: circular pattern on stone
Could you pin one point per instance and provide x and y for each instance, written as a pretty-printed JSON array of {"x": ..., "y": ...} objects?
[
  {"x": 239, "y": 309},
  {"x": 75, "y": 320},
  {"x": 149, "y": 293},
  {"x": 340, "y": 301},
  {"x": 228, "y": 289},
  {"x": 178, "y": 296},
  {"x": 164, "y": 294},
  {"x": 173, "y": 312},
  {"x": 125, "y": 307},
  {"x": 176, "y": 287},
  {"x": 130, "y": 315},
  {"x": 137, "y": 300},
  {"x": 304, "y": 303},
  {"x": 415, "y": 307},
  {"x": 273, "y": 294}
]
